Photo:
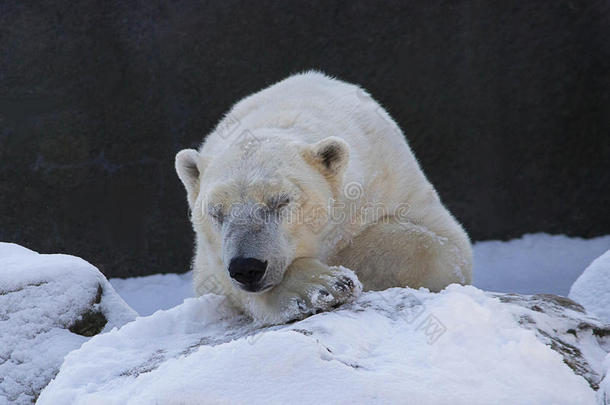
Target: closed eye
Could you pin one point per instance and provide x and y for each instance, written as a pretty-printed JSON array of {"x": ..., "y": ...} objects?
[
  {"x": 215, "y": 211},
  {"x": 279, "y": 202}
]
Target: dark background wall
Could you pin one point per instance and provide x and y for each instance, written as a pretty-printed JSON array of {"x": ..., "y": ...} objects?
[{"x": 506, "y": 105}]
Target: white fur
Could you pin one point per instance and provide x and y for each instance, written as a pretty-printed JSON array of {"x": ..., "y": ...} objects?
[{"x": 323, "y": 143}]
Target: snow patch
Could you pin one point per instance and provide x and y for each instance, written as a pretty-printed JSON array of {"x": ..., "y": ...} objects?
[
  {"x": 534, "y": 263},
  {"x": 592, "y": 288},
  {"x": 401, "y": 345},
  {"x": 48, "y": 305},
  {"x": 151, "y": 293}
]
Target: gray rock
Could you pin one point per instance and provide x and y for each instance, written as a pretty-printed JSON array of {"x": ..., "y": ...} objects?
[{"x": 565, "y": 327}]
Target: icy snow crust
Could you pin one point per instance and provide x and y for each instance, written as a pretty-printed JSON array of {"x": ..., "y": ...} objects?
[
  {"x": 401, "y": 345},
  {"x": 41, "y": 296}
]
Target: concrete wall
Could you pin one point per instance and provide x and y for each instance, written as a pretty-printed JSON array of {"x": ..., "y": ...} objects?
[{"x": 506, "y": 105}]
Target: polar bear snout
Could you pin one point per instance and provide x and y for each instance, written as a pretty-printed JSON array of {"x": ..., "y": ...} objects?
[
  {"x": 248, "y": 272},
  {"x": 254, "y": 246}
]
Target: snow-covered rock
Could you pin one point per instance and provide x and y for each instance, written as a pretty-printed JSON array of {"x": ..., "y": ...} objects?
[
  {"x": 395, "y": 346},
  {"x": 564, "y": 326},
  {"x": 49, "y": 305},
  {"x": 592, "y": 288}
]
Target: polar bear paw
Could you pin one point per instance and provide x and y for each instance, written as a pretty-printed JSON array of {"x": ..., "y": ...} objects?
[
  {"x": 308, "y": 287},
  {"x": 311, "y": 287},
  {"x": 328, "y": 291}
]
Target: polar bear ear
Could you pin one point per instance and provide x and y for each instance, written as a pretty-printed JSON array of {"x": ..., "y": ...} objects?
[
  {"x": 189, "y": 166},
  {"x": 330, "y": 155}
]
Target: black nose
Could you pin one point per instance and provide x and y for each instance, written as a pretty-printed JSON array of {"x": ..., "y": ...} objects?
[{"x": 247, "y": 270}]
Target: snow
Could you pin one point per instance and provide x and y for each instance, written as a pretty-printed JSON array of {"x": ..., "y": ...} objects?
[
  {"x": 41, "y": 296},
  {"x": 592, "y": 288},
  {"x": 534, "y": 263},
  {"x": 462, "y": 345},
  {"x": 401, "y": 345},
  {"x": 151, "y": 293}
]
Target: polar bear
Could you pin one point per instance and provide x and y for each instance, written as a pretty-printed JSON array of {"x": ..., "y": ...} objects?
[{"x": 303, "y": 178}]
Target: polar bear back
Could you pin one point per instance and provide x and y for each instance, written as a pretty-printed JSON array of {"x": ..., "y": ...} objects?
[{"x": 381, "y": 161}]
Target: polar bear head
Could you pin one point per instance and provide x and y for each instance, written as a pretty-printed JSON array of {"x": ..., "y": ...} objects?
[{"x": 256, "y": 208}]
